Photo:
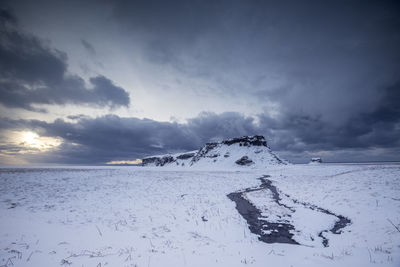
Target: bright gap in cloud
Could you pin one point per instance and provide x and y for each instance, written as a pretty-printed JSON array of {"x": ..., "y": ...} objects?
[
  {"x": 125, "y": 162},
  {"x": 30, "y": 139}
]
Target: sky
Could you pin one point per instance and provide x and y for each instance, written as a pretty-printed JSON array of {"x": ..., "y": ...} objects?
[{"x": 97, "y": 81}]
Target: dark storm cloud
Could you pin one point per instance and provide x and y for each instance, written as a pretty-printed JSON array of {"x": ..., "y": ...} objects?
[
  {"x": 288, "y": 30},
  {"x": 378, "y": 128},
  {"x": 7, "y": 17},
  {"x": 209, "y": 126},
  {"x": 314, "y": 57},
  {"x": 77, "y": 117},
  {"x": 88, "y": 47},
  {"x": 33, "y": 73}
]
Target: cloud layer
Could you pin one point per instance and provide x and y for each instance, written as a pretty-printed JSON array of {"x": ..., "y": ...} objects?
[
  {"x": 99, "y": 140},
  {"x": 32, "y": 73}
]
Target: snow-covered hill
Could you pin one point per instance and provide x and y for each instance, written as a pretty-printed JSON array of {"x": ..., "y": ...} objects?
[{"x": 251, "y": 151}]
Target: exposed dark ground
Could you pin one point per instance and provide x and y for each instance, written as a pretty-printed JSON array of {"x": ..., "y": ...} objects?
[{"x": 272, "y": 232}]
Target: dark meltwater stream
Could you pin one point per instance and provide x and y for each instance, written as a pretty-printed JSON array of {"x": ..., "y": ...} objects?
[{"x": 273, "y": 232}]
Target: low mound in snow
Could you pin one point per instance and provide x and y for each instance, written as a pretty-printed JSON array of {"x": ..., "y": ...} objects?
[{"x": 244, "y": 151}]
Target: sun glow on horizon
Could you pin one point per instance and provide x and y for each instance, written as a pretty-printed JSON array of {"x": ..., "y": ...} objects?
[
  {"x": 125, "y": 162},
  {"x": 30, "y": 139},
  {"x": 33, "y": 140}
]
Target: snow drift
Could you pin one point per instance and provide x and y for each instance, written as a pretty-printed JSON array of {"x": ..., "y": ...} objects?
[{"x": 246, "y": 151}]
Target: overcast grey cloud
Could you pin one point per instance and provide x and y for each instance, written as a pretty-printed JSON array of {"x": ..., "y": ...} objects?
[
  {"x": 314, "y": 77},
  {"x": 33, "y": 73},
  {"x": 332, "y": 62},
  {"x": 89, "y": 47}
]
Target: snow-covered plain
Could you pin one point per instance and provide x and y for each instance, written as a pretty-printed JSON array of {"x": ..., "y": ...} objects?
[{"x": 143, "y": 216}]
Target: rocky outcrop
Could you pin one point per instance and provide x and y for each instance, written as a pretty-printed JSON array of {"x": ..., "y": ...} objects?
[
  {"x": 186, "y": 156},
  {"x": 244, "y": 161},
  {"x": 256, "y": 140},
  {"x": 158, "y": 161},
  {"x": 181, "y": 159},
  {"x": 316, "y": 160}
]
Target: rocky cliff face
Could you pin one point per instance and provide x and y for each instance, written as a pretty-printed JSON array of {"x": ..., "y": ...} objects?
[
  {"x": 243, "y": 151},
  {"x": 256, "y": 140},
  {"x": 176, "y": 159},
  {"x": 158, "y": 161}
]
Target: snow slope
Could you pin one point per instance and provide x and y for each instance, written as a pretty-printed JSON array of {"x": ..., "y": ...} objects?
[
  {"x": 246, "y": 151},
  {"x": 142, "y": 216}
]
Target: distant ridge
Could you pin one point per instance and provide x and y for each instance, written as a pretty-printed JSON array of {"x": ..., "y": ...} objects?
[{"x": 246, "y": 151}]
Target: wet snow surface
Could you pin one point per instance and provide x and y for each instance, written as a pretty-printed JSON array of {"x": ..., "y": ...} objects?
[{"x": 330, "y": 215}]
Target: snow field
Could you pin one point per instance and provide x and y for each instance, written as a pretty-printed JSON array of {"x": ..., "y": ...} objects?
[{"x": 134, "y": 216}]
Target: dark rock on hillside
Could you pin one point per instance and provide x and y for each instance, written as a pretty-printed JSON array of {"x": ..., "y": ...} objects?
[
  {"x": 256, "y": 140},
  {"x": 158, "y": 161},
  {"x": 204, "y": 150},
  {"x": 316, "y": 160},
  {"x": 147, "y": 161},
  {"x": 186, "y": 156},
  {"x": 244, "y": 161}
]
